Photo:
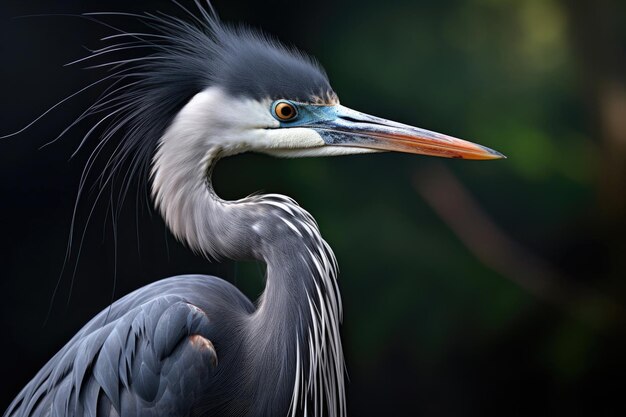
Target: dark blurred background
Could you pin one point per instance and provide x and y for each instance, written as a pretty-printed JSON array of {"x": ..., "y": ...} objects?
[{"x": 470, "y": 288}]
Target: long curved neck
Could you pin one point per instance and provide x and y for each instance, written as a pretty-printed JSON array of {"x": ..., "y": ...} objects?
[{"x": 296, "y": 324}]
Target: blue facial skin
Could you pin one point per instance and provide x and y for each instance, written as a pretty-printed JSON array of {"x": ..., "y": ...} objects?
[
  {"x": 307, "y": 114},
  {"x": 337, "y": 125}
]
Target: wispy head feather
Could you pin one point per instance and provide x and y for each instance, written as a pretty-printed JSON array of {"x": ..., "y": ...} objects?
[
  {"x": 154, "y": 73},
  {"x": 177, "y": 59}
]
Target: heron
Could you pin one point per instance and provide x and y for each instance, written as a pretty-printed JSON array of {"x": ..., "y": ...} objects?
[{"x": 199, "y": 90}]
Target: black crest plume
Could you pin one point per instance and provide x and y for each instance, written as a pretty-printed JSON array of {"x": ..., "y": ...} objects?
[
  {"x": 176, "y": 60},
  {"x": 152, "y": 74}
]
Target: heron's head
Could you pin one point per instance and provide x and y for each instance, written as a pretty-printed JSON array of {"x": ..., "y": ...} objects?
[
  {"x": 240, "y": 90},
  {"x": 259, "y": 95},
  {"x": 252, "y": 93}
]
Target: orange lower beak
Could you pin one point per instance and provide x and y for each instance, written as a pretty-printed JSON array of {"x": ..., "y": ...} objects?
[{"x": 359, "y": 130}]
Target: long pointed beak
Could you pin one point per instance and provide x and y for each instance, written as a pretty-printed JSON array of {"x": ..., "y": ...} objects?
[{"x": 359, "y": 130}]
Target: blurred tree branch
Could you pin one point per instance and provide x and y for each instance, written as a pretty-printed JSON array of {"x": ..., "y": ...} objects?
[
  {"x": 491, "y": 245},
  {"x": 600, "y": 46}
]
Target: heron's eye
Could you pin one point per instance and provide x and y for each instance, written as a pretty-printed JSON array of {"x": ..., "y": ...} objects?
[{"x": 285, "y": 111}]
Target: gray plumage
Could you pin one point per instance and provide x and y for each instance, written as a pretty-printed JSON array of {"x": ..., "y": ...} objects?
[
  {"x": 284, "y": 355},
  {"x": 199, "y": 91},
  {"x": 147, "y": 355},
  {"x": 141, "y": 356}
]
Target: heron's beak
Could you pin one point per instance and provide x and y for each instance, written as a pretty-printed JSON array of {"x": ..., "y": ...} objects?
[{"x": 347, "y": 127}]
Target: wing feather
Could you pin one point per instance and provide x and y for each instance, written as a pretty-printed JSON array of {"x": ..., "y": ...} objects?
[{"x": 145, "y": 362}]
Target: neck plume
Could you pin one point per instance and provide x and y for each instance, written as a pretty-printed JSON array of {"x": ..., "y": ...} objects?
[{"x": 298, "y": 315}]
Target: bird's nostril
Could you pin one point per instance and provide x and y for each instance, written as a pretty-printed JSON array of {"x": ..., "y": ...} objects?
[{"x": 355, "y": 120}]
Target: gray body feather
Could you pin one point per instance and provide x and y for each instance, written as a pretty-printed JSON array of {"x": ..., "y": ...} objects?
[
  {"x": 145, "y": 356},
  {"x": 194, "y": 345}
]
